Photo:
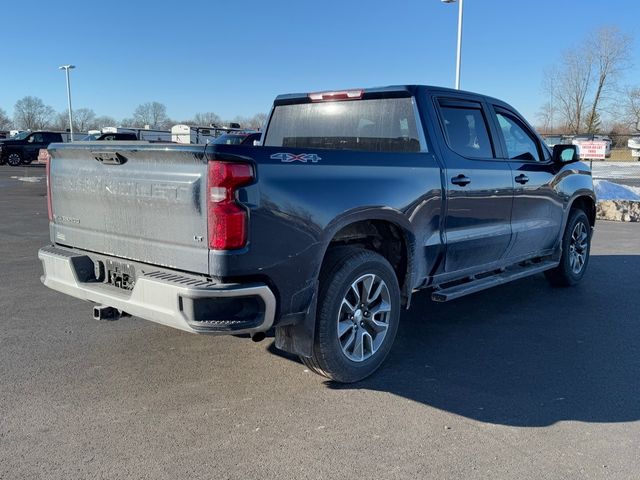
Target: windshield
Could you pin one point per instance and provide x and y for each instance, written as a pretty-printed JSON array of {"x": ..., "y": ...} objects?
[
  {"x": 20, "y": 136},
  {"x": 90, "y": 138},
  {"x": 376, "y": 125}
]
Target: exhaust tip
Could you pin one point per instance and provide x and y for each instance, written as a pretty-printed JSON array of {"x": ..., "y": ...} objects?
[{"x": 103, "y": 312}]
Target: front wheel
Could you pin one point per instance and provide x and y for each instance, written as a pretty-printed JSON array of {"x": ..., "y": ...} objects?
[
  {"x": 576, "y": 246},
  {"x": 357, "y": 317},
  {"x": 14, "y": 159}
]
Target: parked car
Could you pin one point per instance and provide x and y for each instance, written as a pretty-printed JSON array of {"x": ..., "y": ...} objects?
[
  {"x": 23, "y": 148},
  {"x": 354, "y": 200},
  {"x": 99, "y": 137},
  {"x": 203, "y": 134},
  {"x": 244, "y": 138}
]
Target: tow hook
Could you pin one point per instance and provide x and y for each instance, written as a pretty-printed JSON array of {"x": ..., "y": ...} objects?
[{"x": 103, "y": 312}]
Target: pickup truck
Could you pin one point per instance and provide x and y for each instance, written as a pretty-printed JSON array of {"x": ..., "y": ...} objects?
[{"x": 354, "y": 200}]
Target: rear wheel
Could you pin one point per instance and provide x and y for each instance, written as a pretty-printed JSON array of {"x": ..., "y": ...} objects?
[
  {"x": 14, "y": 159},
  {"x": 357, "y": 317},
  {"x": 576, "y": 246}
]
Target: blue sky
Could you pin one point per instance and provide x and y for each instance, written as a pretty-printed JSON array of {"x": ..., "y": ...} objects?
[{"x": 232, "y": 58}]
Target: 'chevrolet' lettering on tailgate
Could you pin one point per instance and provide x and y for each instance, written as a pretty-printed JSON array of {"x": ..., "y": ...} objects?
[{"x": 127, "y": 188}]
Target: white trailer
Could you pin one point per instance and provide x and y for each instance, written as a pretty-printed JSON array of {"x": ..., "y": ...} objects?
[{"x": 190, "y": 134}]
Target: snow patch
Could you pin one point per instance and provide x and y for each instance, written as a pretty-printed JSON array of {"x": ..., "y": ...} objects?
[
  {"x": 28, "y": 179},
  {"x": 614, "y": 191}
]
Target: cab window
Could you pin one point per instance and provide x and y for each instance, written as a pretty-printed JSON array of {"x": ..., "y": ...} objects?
[
  {"x": 466, "y": 131},
  {"x": 520, "y": 142}
]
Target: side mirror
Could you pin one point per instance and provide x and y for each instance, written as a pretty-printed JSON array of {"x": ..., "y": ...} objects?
[{"x": 565, "y": 153}]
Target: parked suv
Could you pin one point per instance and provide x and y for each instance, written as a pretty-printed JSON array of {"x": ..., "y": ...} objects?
[{"x": 24, "y": 147}]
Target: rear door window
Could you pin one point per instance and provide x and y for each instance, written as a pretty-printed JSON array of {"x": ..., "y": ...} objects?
[
  {"x": 465, "y": 129},
  {"x": 374, "y": 125},
  {"x": 52, "y": 137}
]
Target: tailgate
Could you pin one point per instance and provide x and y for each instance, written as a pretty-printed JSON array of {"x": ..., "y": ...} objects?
[{"x": 134, "y": 200}]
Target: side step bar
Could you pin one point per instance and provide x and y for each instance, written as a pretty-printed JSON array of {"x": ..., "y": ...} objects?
[{"x": 476, "y": 285}]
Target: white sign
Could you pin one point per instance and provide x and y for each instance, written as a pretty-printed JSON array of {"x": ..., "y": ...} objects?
[{"x": 593, "y": 150}]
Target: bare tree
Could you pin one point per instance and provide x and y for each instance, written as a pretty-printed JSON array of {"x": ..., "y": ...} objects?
[
  {"x": 632, "y": 107},
  {"x": 102, "y": 121},
  {"x": 31, "y": 113},
  {"x": 573, "y": 83},
  {"x": 611, "y": 50},
  {"x": 257, "y": 121},
  {"x": 205, "y": 119},
  {"x": 153, "y": 114},
  {"x": 585, "y": 76},
  {"x": 5, "y": 121},
  {"x": 548, "y": 112},
  {"x": 60, "y": 121},
  {"x": 83, "y": 119}
]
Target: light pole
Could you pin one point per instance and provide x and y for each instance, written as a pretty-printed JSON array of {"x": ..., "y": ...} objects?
[
  {"x": 459, "y": 52},
  {"x": 66, "y": 68}
]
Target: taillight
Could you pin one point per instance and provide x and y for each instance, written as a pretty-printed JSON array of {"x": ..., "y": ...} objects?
[
  {"x": 341, "y": 95},
  {"x": 49, "y": 203},
  {"x": 227, "y": 219}
]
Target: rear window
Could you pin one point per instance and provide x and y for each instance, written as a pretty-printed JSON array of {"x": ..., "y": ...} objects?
[{"x": 378, "y": 125}]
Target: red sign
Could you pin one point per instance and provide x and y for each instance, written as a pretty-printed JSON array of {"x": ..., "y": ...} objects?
[{"x": 594, "y": 150}]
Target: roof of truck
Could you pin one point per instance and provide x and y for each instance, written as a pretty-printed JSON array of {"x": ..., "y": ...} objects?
[{"x": 373, "y": 92}]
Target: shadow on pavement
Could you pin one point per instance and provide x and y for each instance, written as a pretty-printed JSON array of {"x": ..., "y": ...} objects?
[{"x": 525, "y": 354}]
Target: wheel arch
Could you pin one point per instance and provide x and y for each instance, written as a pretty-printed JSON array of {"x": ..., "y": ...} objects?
[
  {"x": 587, "y": 203},
  {"x": 387, "y": 232}
]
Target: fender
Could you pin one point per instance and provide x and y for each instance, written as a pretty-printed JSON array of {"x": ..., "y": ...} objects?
[{"x": 298, "y": 337}]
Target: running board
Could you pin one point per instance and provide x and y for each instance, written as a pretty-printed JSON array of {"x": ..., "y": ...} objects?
[{"x": 476, "y": 285}]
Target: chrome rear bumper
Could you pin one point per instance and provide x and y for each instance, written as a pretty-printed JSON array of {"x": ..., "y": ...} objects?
[{"x": 188, "y": 302}]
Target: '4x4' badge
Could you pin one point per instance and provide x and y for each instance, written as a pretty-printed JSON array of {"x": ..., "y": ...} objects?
[{"x": 299, "y": 157}]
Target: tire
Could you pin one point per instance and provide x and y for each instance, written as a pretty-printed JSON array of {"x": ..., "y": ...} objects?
[
  {"x": 14, "y": 159},
  {"x": 575, "y": 251},
  {"x": 353, "y": 338}
]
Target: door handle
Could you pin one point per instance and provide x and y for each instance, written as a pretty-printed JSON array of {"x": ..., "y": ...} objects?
[
  {"x": 461, "y": 180},
  {"x": 522, "y": 179}
]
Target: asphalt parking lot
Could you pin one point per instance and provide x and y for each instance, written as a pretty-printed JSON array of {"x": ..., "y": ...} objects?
[{"x": 522, "y": 381}]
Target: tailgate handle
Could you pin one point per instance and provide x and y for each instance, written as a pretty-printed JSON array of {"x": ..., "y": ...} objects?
[{"x": 110, "y": 158}]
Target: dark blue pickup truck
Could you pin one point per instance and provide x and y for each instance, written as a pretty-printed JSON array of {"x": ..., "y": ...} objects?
[{"x": 354, "y": 200}]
